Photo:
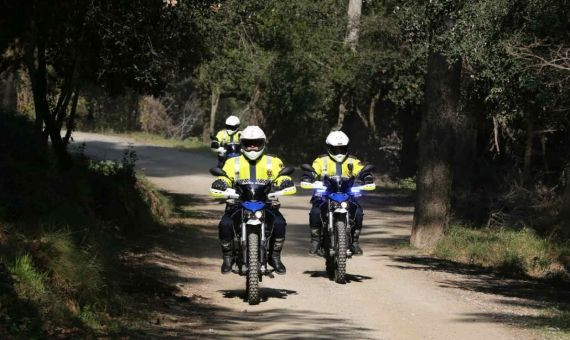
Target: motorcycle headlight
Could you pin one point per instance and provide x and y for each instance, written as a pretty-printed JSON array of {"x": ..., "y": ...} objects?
[
  {"x": 343, "y": 205},
  {"x": 247, "y": 214},
  {"x": 259, "y": 214}
]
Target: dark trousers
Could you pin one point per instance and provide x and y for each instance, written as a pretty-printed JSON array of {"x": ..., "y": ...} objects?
[
  {"x": 232, "y": 217},
  {"x": 354, "y": 209},
  {"x": 221, "y": 161}
]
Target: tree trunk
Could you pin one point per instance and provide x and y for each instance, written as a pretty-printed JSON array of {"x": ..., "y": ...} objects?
[
  {"x": 372, "y": 117},
  {"x": 363, "y": 119},
  {"x": 353, "y": 29},
  {"x": 70, "y": 124},
  {"x": 528, "y": 149},
  {"x": 341, "y": 115},
  {"x": 565, "y": 208},
  {"x": 214, "y": 107},
  {"x": 410, "y": 123},
  {"x": 436, "y": 151},
  {"x": 38, "y": 77},
  {"x": 257, "y": 117}
]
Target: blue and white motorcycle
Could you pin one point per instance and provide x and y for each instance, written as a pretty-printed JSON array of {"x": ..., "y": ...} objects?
[
  {"x": 336, "y": 236},
  {"x": 251, "y": 236}
]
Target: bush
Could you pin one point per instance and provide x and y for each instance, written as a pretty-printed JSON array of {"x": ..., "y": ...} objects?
[
  {"x": 61, "y": 234},
  {"x": 153, "y": 116}
]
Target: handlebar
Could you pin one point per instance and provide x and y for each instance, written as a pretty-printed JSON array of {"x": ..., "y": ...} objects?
[
  {"x": 230, "y": 193},
  {"x": 318, "y": 185}
]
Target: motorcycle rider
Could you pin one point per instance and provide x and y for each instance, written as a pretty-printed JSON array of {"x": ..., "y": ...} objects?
[
  {"x": 337, "y": 162},
  {"x": 252, "y": 165},
  {"x": 229, "y": 135}
]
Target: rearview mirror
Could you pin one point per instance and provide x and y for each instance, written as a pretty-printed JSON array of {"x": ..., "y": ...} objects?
[
  {"x": 286, "y": 171},
  {"x": 218, "y": 172},
  {"x": 368, "y": 168},
  {"x": 307, "y": 168}
]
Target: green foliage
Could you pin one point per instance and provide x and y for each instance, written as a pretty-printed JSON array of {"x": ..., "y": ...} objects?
[
  {"x": 518, "y": 252},
  {"x": 407, "y": 184},
  {"x": 61, "y": 234},
  {"x": 30, "y": 282}
]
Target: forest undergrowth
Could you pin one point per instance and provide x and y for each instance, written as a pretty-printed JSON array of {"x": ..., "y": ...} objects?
[{"x": 61, "y": 237}]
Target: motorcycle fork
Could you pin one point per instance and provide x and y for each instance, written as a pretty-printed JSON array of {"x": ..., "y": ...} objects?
[
  {"x": 244, "y": 245},
  {"x": 263, "y": 249},
  {"x": 332, "y": 248}
]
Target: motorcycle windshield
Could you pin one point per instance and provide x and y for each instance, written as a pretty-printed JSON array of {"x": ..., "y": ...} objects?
[
  {"x": 338, "y": 197},
  {"x": 253, "y": 206},
  {"x": 338, "y": 184},
  {"x": 253, "y": 191}
]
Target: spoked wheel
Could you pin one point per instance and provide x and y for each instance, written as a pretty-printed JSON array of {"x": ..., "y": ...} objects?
[
  {"x": 340, "y": 254},
  {"x": 252, "y": 281}
]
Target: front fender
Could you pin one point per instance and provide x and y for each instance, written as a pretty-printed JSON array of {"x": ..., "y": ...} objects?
[{"x": 340, "y": 211}]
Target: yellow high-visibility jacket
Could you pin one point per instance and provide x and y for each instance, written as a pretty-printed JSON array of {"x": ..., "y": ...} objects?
[
  {"x": 325, "y": 165},
  {"x": 224, "y": 137},
  {"x": 266, "y": 167}
]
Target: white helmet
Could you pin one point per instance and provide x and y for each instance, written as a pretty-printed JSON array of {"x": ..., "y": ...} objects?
[
  {"x": 337, "y": 145},
  {"x": 232, "y": 124},
  {"x": 252, "y": 142}
]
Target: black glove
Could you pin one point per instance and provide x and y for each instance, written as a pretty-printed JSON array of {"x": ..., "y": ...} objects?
[
  {"x": 215, "y": 144},
  {"x": 286, "y": 184},
  {"x": 219, "y": 185}
]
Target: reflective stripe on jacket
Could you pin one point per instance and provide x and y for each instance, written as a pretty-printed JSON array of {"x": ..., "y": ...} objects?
[
  {"x": 224, "y": 137},
  {"x": 265, "y": 167},
  {"x": 325, "y": 165}
]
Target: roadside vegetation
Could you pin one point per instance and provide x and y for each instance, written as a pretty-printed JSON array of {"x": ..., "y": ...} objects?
[
  {"x": 191, "y": 143},
  {"x": 521, "y": 255},
  {"x": 516, "y": 252},
  {"x": 61, "y": 234}
]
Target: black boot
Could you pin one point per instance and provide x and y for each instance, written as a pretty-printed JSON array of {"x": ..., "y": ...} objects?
[
  {"x": 275, "y": 256},
  {"x": 355, "y": 247},
  {"x": 228, "y": 256},
  {"x": 315, "y": 241}
]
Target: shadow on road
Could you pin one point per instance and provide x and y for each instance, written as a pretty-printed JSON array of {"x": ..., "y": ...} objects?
[
  {"x": 266, "y": 293},
  {"x": 548, "y": 300},
  {"x": 349, "y": 277}
]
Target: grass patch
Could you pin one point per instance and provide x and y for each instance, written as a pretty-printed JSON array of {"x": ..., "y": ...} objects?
[
  {"x": 30, "y": 283},
  {"x": 61, "y": 236},
  {"x": 510, "y": 251},
  {"x": 519, "y": 253},
  {"x": 192, "y": 143}
]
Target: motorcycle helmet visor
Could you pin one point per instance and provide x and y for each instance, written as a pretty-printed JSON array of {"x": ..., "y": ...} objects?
[
  {"x": 232, "y": 127},
  {"x": 253, "y": 144},
  {"x": 338, "y": 150}
]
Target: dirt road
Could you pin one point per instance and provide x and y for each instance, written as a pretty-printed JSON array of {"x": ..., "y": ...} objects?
[{"x": 392, "y": 294}]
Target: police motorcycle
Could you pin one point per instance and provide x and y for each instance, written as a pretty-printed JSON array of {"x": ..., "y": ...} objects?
[
  {"x": 337, "y": 223},
  {"x": 251, "y": 236},
  {"x": 226, "y": 151}
]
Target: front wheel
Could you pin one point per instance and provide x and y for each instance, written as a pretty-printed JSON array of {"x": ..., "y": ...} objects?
[
  {"x": 340, "y": 254},
  {"x": 252, "y": 283}
]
